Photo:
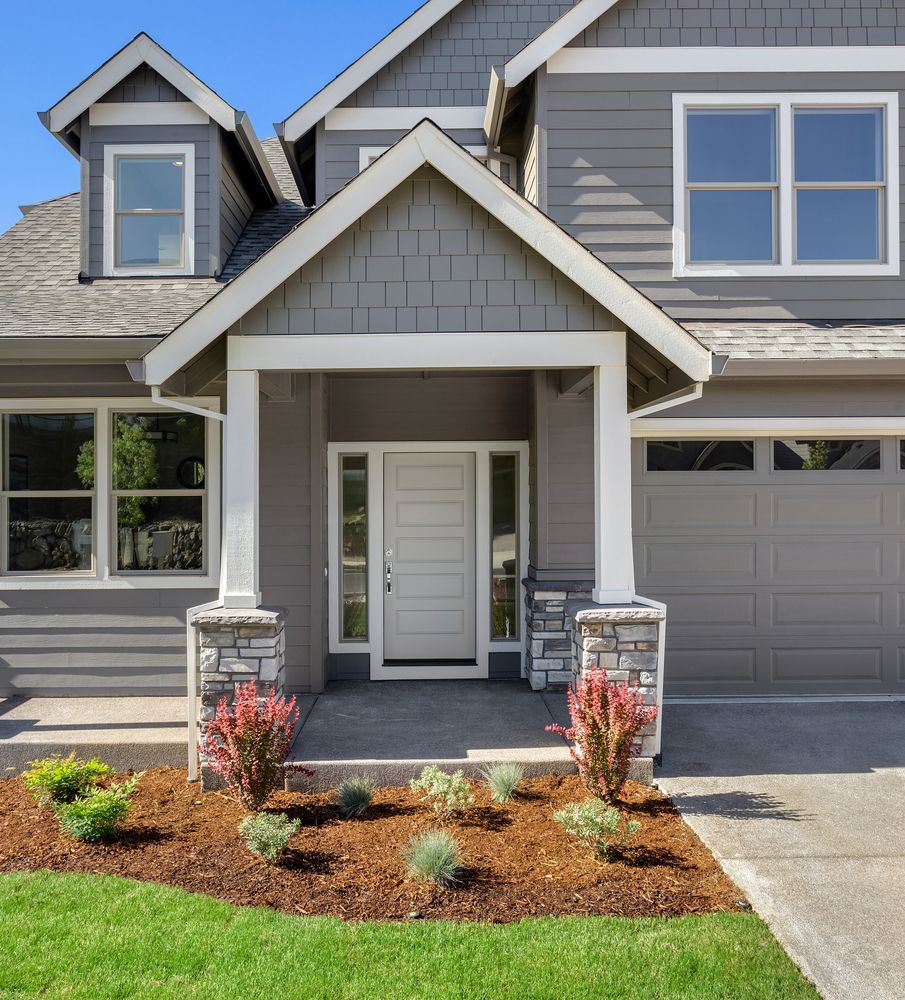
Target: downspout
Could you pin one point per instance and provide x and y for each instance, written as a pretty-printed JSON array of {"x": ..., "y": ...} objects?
[{"x": 191, "y": 649}]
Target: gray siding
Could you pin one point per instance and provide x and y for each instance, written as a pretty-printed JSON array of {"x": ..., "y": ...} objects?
[
  {"x": 205, "y": 184},
  {"x": 341, "y": 152},
  {"x": 427, "y": 259},
  {"x": 236, "y": 207},
  {"x": 450, "y": 63},
  {"x": 142, "y": 84},
  {"x": 610, "y": 186},
  {"x": 747, "y": 22}
]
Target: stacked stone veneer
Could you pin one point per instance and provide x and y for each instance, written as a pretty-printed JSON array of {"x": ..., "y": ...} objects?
[{"x": 549, "y": 651}]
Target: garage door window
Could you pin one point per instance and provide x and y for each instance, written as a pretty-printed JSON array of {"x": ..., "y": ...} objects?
[
  {"x": 817, "y": 455},
  {"x": 700, "y": 456}
]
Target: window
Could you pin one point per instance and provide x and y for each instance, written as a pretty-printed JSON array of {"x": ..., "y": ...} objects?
[
  {"x": 504, "y": 590},
  {"x": 354, "y": 543},
  {"x": 786, "y": 184},
  {"x": 149, "y": 209},
  {"x": 824, "y": 456},
  {"x": 502, "y": 166},
  {"x": 108, "y": 494},
  {"x": 48, "y": 492},
  {"x": 699, "y": 456}
]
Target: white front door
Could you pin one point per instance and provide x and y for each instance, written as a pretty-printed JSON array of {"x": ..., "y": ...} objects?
[{"x": 429, "y": 557}]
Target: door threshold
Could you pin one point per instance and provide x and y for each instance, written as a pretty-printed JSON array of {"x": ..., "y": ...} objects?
[
  {"x": 439, "y": 664},
  {"x": 428, "y": 670}
]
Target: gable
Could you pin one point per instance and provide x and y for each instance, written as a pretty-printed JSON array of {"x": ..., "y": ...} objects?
[
  {"x": 426, "y": 259},
  {"x": 143, "y": 84}
]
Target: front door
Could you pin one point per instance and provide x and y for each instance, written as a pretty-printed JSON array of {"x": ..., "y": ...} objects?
[{"x": 429, "y": 557}]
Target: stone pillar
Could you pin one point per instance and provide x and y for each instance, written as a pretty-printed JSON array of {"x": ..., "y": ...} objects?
[
  {"x": 624, "y": 640},
  {"x": 549, "y": 647}
]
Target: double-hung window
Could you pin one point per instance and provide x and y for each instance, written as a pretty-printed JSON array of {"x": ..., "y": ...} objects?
[
  {"x": 149, "y": 198},
  {"x": 800, "y": 184}
]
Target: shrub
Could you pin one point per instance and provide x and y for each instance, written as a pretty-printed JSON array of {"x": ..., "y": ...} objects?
[
  {"x": 96, "y": 814},
  {"x": 268, "y": 834},
  {"x": 446, "y": 793},
  {"x": 597, "y": 825},
  {"x": 606, "y": 718},
  {"x": 433, "y": 856},
  {"x": 247, "y": 743},
  {"x": 503, "y": 780},
  {"x": 353, "y": 796},
  {"x": 62, "y": 779}
]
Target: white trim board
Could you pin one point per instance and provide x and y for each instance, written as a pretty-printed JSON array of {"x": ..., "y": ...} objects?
[
  {"x": 784, "y": 217},
  {"x": 427, "y": 144},
  {"x": 375, "y": 119},
  {"x": 347, "y": 82},
  {"x": 375, "y": 450},
  {"x": 676, "y": 428},
  {"x": 148, "y": 113},
  {"x": 730, "y": 59}
]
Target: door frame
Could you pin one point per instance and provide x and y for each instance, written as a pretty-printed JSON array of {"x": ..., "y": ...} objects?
[{"x": 374, "y": 645}]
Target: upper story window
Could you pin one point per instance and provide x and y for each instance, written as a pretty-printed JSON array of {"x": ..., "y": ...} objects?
[
  {"x": 800, "y": 184},
  {"x": 149, "y": 197}
]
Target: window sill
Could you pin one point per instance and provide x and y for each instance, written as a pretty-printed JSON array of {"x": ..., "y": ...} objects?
[
  {"x": 163, "y": 582},
  {"x": 786, "y": 271}
]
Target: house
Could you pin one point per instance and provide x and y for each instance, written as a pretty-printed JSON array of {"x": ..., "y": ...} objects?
[{"x": 545, "y": 335}]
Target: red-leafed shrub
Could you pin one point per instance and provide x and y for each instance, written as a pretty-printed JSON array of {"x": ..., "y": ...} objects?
[
  {"x": 606, "y": 718},
  {"x": 247, "y": 743}
]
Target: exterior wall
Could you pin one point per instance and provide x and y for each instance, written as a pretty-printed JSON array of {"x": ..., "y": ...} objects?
[
  {"x": 610, "y": 185},
  {"x": 236, "y": 207},
  {"x": 425, "y": 260},
  {"x": 747, "y": 22},
  {"x": 142, "y": 84},
  {"x": 449, "y": 65}
]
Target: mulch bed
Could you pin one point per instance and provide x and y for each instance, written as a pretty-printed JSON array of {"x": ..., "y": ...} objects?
[{"x": 520, "y": 862}]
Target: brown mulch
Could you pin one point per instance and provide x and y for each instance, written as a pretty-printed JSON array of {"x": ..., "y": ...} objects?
[{"x": 520, "y": 862}]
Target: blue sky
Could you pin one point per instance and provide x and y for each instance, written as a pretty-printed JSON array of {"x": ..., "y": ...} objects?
[{"x": 265, "y": 58}]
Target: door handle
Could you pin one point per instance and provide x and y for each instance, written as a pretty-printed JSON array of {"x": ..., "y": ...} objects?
[{"x": 389, "y": 576}]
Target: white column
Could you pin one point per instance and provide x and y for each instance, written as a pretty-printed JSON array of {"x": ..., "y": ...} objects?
[
  {"x": 614, "y": 571},
  {"x": 239, "y": 583}
]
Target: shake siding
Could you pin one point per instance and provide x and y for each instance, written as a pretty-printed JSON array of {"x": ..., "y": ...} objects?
[
  {"x": 609, "y": 150},
  {"x": 654, "y": 23}
]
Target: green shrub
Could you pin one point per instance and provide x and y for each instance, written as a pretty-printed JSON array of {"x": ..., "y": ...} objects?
[
  {"x": 353, "y": 796},
  {"x": 96, "y": 814},
  {"x": 446, "y": 793},
  {"x": 503, "y": 780},
  {"x": 268, "y": 834},
  {"x": 597, "y": 825},
  {"x": 62, "y": 779},
  {"x": 433, "y": 856}
]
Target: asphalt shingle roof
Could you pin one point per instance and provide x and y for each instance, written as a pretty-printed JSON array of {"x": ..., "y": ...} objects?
[{"x": 802, "y": 341}]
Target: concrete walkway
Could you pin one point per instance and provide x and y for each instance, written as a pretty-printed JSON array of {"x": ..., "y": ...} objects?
[
  {"x": 804, "y": 805},
  {"x": 391, "y": 729}
]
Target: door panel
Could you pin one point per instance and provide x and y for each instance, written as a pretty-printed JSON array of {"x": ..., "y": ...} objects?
[{"x": 429, "y": 546}]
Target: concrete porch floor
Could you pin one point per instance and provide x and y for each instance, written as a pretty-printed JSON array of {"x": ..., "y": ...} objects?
[{"x": 391, "y": 729}]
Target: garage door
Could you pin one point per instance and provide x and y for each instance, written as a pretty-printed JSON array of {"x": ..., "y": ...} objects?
[{"x": 781, "y": 562}]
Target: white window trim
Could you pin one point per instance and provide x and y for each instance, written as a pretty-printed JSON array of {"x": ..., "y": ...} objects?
[
  {"x": 784, "y": 103},
  {"x": 491, "y": 160},
  {"x": 185, "y": 150},
  {"x": 103, "y": 575},
  {"x": 484, "y": 645}
]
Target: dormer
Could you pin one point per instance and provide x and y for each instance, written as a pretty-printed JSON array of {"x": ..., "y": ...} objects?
[{"x": 170, "y": 173}]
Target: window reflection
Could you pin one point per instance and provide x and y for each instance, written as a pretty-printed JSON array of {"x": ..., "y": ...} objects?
[{"x": 354, "y": 573}]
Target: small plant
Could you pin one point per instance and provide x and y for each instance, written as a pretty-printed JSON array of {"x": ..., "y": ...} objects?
[
  {"x": 62, "y": 779},
  {"x": 503, "y": 780},
  {"x": 606, "y": 718},
  {"x": 447, "y": 793},
  {"x": 353, "y": 796},
  {"x": 247, "y": 743},
  {"x": 268, "y": 834},
  {"x": 434, "y": 856},
  {"x": 597, "y": 825},
  {"x": 96, "y": 814}
]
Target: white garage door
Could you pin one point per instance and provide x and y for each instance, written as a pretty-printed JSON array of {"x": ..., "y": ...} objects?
[{"x": 782, "y": 563}]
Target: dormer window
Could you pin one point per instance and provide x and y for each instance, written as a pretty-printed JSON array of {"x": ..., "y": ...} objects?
[{"x": 149, "y": 195}]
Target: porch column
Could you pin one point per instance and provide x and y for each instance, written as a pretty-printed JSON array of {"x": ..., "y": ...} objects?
[
  {"x": 240, "y": 583},
  {"x": 614, "y": 571}
]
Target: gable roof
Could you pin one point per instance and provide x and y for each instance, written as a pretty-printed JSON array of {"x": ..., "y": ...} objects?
[
  {"x": 144, "y": 50},
  {"x": 360, "y": 71},
  {"x": 426, "y": 144},
  {"x": 505, "y": 78}
]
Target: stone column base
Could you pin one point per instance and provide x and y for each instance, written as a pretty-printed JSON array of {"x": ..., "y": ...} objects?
[{"x": 548, "y": 662}]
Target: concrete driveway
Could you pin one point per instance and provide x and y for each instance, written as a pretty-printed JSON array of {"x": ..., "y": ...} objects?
[{"x": 804, "y": 805}]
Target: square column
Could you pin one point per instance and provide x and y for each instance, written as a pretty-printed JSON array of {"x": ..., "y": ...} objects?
[
  {"x": 614, "y": 568},
  {"x": 240, "y": 585}
]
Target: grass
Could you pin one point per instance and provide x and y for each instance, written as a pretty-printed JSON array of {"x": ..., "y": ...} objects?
[{"x": 86, "y": 936}]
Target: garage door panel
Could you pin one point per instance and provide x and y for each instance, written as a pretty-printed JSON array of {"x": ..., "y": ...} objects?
[
  {"x": 827, "y": 560},
  {"x": 827, "y": 664},
  {"x": 717, "y": 609},
  {"x": 848, "y": 507},
  {"x": 834, "y": 610},
  {"x": 697, "y": 668},
  {"x": 697, "y": 562},
  {"x": 682, "y": 510}
]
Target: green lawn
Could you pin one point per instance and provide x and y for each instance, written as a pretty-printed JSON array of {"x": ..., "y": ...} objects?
[{"x": 99, "y": 937}]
